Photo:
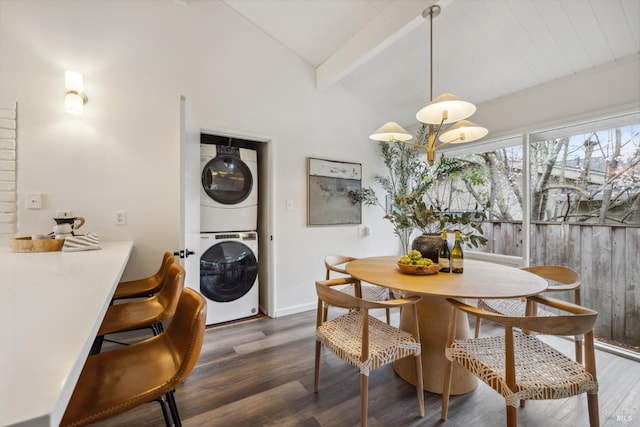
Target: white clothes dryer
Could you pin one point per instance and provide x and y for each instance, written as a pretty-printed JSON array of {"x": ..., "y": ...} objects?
[
  {"x": 229, "y": 189},
  {"x": 229, "y": 275}
]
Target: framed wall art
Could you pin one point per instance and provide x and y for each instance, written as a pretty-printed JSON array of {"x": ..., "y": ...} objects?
[{"x": 330, "y": 182}]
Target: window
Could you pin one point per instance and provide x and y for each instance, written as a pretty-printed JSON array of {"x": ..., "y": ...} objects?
[
  {"x": 493, "y": 182},
  {"x": 590, "y": 176},
  {"x": 567, "y": 196},
  {"x": 585, "y": 214}
]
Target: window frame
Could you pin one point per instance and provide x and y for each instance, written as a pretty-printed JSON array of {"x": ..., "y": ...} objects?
[{"x": 525, "y": 139}]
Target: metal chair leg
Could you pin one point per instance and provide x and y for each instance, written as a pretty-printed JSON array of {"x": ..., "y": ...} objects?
[
  {"x": 165, "y": 411},
  {"x": 97, "y": 345},
  {"x": 157, "y": 329},
  {"x": 173, "y": 407}
]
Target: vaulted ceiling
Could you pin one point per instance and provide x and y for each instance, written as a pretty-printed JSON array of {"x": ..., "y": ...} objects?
[{"x": 378, "y": 50}]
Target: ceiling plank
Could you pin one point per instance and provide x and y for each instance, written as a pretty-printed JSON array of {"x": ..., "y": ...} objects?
[
  {"x": 616, "y": 27},
  {"x": 396, "y": 20}
]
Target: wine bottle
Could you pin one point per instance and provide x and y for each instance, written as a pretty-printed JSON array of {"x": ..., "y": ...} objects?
[
  {"x": 444, "y": 255},
  {"x": 457, "y": 257}
]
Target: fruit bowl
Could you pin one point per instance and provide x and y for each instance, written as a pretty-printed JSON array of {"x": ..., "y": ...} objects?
[{"x": 418, "y": 269}]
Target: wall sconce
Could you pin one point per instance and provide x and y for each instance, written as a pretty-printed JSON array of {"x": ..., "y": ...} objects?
[{"x": 75, "y": 99}]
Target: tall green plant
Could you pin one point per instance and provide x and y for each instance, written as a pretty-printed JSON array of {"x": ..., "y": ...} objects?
[
  {"x": 430, "y": 220},
  {"x": 411, "y": 185},
  {"x": 436, "y": 211}
]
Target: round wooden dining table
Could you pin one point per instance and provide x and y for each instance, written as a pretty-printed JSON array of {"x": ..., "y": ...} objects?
[{"x": 480, "y": 279}]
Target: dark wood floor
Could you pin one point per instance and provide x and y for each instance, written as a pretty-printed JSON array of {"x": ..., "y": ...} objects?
[{"x": 260, "y": 373}]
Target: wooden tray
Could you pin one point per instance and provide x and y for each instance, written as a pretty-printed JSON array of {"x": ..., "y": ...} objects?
[{"x": 26, "y": 244}]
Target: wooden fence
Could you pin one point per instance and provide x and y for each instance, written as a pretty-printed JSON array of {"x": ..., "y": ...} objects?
[{"x": 607, "y": 258}]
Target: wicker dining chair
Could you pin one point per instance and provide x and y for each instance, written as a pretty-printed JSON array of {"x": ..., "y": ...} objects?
[
  {"x": 522, "y": 367},
  {"x": 362, "y": 340},
  {"x": 561, "y": 279},
  {"x": 334, "y": 263}
]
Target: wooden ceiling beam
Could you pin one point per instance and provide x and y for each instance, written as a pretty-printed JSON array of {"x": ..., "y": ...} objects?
[{"x": 397, "y": 20}]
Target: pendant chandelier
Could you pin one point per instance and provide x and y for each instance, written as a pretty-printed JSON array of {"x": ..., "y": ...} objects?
[{"x": 443, "y": 110}]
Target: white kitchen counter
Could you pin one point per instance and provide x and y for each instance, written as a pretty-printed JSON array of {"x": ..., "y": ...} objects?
[{"x": 51, "y": 305}]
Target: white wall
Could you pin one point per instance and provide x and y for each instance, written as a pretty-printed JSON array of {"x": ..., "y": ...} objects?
[{"x": 137, "y": 58}]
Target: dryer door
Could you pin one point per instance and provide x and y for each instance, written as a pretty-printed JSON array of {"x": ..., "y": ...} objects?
[
  {"x": 228, "y": 270},
  {"x": 227, "y": 179}
]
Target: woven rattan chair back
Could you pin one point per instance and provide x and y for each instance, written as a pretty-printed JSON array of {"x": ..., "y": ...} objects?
[
  {"x": 561, "y": 279},
  {"x": 522, "y": 367},
  {"x": 335, "y": 263},
  {"x": 362, "y": 340}
]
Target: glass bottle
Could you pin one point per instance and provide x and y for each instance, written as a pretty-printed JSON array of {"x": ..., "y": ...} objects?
[
  {"x": 457, "y": 257},
  {"x": 444, "y": 255}
]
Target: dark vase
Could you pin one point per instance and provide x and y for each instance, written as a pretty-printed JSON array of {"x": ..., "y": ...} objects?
[{"x": 428, "y": 245}]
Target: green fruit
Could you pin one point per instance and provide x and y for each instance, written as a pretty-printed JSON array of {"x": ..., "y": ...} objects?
[
  {"x": 414, "y": 254},
  {"x": 414, "y": 257}
]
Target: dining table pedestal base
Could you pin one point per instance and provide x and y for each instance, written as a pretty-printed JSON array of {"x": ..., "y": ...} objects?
[{"x": 433, "y": 321}]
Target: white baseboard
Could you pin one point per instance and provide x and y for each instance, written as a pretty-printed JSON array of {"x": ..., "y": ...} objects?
[{"x": 296, "y": 309}]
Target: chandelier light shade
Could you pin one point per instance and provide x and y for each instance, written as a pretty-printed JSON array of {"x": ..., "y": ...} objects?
[
  {"x": 446, "y": 108},
  {"x": 443, "y": 110},
  {"x": 463, "y": 131},
  {"x": 390, "y": 131},
  {"x": 74, "y": 99}
]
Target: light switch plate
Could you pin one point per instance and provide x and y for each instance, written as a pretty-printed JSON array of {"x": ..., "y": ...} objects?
[{"x": 33, "y": 200}]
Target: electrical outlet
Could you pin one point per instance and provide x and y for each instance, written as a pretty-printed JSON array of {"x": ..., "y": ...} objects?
[
  {"x": 120, "y": 217},
  {"x": 63, "y": 213}
]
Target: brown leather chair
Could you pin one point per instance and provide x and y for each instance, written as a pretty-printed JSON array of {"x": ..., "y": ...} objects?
[
  {"x": 145, "y": 313},
  {"x": 116, "y": 381},
  {"x": 147, "y": 286}
]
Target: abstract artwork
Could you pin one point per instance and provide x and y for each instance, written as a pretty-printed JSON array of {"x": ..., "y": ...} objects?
[{"x": 329, "y": 185}]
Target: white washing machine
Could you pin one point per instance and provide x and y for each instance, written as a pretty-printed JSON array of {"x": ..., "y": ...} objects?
[
  {"x": 229, "y": 188},
  {"x": 229, "y": 275}
]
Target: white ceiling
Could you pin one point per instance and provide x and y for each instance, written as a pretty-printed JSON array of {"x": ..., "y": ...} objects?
[{"x": 379, "y": 49}]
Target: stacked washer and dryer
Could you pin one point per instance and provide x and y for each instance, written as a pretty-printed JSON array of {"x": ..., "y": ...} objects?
[{"x": 228, "y": 227}]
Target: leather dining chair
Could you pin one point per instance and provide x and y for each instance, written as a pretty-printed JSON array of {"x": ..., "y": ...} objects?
[
  {"x": 519, "y": 365},
  {"x": 116, "y": 381},
  {"x": 561, "y": 279},
  {"x": 147, "y": 286},
  {"x": 362, "y": 340},
  {"x": 149, "y": 312},
  {"x": 335, "y": 263}
]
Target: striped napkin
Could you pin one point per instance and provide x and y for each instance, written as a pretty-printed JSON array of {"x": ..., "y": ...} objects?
[{"x": 86, "y": 242}]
